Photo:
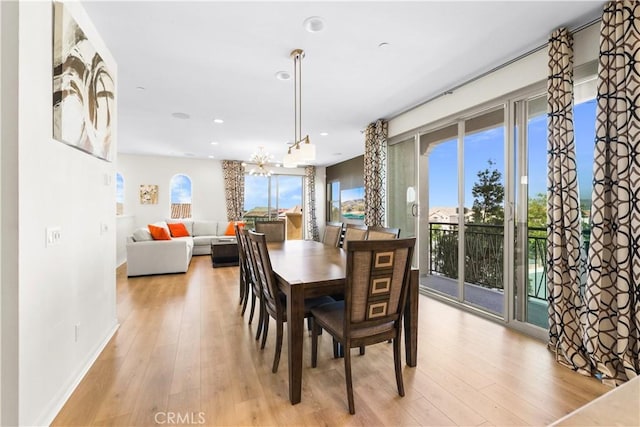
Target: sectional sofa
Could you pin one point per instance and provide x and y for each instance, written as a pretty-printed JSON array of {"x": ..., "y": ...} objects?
[{"x": 147, "y": 256}]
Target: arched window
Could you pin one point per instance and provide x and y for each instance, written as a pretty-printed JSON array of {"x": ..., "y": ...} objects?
[
  {"x": 119, "y": 194},
  {"x": 180, "y": 196}
]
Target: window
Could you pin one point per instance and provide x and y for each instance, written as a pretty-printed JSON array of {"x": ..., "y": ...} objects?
[
  {"x": 333, "y": 201},
  {"x": 272, "y": 197},
  {"x": 119, "y": 194},
  {"x": 180, "y": 196}
]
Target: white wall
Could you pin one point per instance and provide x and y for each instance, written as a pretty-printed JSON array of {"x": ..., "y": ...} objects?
[
  {"x": 72, "y": 284},
  {"x": 526, "y": 71},
  {"x": 207, "y": 186},
  {"x": 9, "y": 213}
]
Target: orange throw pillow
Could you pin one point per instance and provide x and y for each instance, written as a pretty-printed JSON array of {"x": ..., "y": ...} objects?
[
  {"x": 230, "y": 230},
  {"x": 158, "y": 233},
  {"x": 178, "y": 229}
]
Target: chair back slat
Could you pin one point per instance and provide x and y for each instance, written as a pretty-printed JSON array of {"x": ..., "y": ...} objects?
[
  {"x": 377, "y": 281},
  {"x": 250, "y": 262},
  {"x": 264, "y": 271}
]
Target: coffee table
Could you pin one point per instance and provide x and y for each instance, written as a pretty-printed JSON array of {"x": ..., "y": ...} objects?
[{"x": 224, "y": 253}]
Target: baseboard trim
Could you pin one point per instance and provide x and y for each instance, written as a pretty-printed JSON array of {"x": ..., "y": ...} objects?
[{"x": 57, "y": 404}]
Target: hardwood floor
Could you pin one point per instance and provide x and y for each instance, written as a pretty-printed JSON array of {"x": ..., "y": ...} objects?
[{"x": 184, "y": 355}]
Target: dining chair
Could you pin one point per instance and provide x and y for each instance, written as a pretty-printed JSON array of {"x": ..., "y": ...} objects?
[
  {"x": 255, "y": 286},
  {"x": 332, "y": 233},
  {"x": 382, "y": 233},
  {"x": 354, "y": 232},
  {"x": 243, "y": 263},
  {"x": 273, "y": 230},
  {"x": 377, "y": 279},
  {"x": 274, "y": 300}
]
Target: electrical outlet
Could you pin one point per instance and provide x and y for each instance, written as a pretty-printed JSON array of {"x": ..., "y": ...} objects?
[
  {"x": 104, "y": 228},
  {"x": 53, "y": 236}
]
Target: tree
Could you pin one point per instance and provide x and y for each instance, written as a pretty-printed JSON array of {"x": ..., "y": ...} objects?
[
  {"x": 537, "y": 211},
  {"x": 488, "y": 196}
]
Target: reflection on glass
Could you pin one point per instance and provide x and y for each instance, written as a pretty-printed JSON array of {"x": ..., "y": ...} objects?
[
  {"x": 401, "y": 194},
  {"x": 442, "y": 149},
  {"x": 484, "y": 211}
]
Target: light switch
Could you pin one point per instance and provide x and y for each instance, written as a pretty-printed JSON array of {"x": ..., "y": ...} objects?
[{"x": 53, "y": 236}]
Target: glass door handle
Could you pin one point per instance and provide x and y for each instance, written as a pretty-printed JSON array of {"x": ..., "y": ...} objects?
[{"x": 414, "y": 210}]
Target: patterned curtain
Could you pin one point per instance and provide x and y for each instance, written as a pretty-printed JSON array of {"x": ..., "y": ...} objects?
[
  {"x": 312, "y": 232},
  {"x": 563, "y": 211},
  {"x": 613, "y": 282},
  {"x": 375, "y": 172},
  {"x": 233, "y": 188}
]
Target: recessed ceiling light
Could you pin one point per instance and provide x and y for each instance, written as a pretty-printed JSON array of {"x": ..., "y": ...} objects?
[
  {"x": 218, "y": 121},
  {"x": 324, "y": 133},
  {"x": 277, "y": 165},
  {"x": 212, "y": 157},
  {"x": 214, "y": 142},
  {"x": 383, "y": 45},
  {"x": 182, "y": 116},
  {"x": 283, "y": 75},
  {"x": 313, "y": 24}
]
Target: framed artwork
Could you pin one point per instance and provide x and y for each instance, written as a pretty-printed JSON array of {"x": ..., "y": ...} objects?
[
  {"x": 148, "y": 194},
  {"x": 83, "y": 89},
  {"x": 352, "y": 204}
]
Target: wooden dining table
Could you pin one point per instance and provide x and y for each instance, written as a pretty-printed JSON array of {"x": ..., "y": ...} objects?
[{"x": 304, "y": 269}]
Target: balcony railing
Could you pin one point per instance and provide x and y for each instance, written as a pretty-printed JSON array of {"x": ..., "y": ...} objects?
[{"x": 484, "y": 249}]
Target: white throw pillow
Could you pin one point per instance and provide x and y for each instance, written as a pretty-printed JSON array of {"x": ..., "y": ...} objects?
[{"x": 142, "y": 234}]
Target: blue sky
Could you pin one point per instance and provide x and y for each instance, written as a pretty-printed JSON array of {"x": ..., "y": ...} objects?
[
  {"x": 180, "y": 189},
  {"x": 482, "y": 146},
  {"x": 119, "y": 188},
  {"x": 256, "y": 191}
]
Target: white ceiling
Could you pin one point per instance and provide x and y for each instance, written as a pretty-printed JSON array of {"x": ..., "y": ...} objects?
[{"x": 219, "y": 60}]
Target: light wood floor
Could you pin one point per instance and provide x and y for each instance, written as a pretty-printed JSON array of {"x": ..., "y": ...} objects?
[{"x": 183, "y": 348}]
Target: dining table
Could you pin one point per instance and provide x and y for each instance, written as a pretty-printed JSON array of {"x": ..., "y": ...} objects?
[{"x": 306, "y": 269}]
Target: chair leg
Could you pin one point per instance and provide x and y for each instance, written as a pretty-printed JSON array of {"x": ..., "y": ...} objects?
[
  {"x": 361, "y": 350},
  {"x": 314, "y": 345},
  {"x": 347, "y": 375},
  {"x": 397, "y": 361},
  {"x": 245, "y": 299},
  {"x": 336, "y": 349},
  {"x": 276, "y": 357},
  {"x": 253, "y": 306},
  {"x": 265, "y": 329},
  {"x": 261, "y": 320},
  {"x": 241, "y": 287}
]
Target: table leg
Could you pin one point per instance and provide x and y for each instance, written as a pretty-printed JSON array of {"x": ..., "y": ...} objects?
[
  {"x": 295, "y": 327},
  {"x": 411, "y": 319}
]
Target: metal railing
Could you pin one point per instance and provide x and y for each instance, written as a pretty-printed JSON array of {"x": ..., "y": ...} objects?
[{"x": 484, "y": 249}]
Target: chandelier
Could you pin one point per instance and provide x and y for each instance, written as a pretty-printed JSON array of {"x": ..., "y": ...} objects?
[
  {"x": 302, "y": 150},
  {"x": 261, "y": 159}
]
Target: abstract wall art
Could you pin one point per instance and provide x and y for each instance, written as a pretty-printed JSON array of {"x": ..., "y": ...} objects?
[
  {"x": 83, "y": 89},
  {"x": 148, "y": 194}
]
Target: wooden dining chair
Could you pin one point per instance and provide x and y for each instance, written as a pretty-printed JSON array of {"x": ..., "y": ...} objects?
[
  {"x": 377, "y": 279},
  {"x": 273, "y": 230},
  {"x": 274, "y": 300},
  {"x": 332, "y": 233},
  {"x": 354, "y": 232},
  {"x": 244, "y": 272},
  {"x": 255, "y": 286},
  {"x": 382, "y": 233}
]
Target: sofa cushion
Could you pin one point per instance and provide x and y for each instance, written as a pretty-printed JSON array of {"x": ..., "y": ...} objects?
[
  {"x": 158, "y": 232},
  {"x": 142, "y": 235},
  {"x": 202, "y": 240},
  {"x": 230, "y": 231},
  {"x": 205, "y": 228},
  {"x": 178, "y": 229},
  {"x": 187, "y": 223}
]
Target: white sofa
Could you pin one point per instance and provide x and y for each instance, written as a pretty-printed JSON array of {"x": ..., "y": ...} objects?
[{"x": 147, "y": 256}]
